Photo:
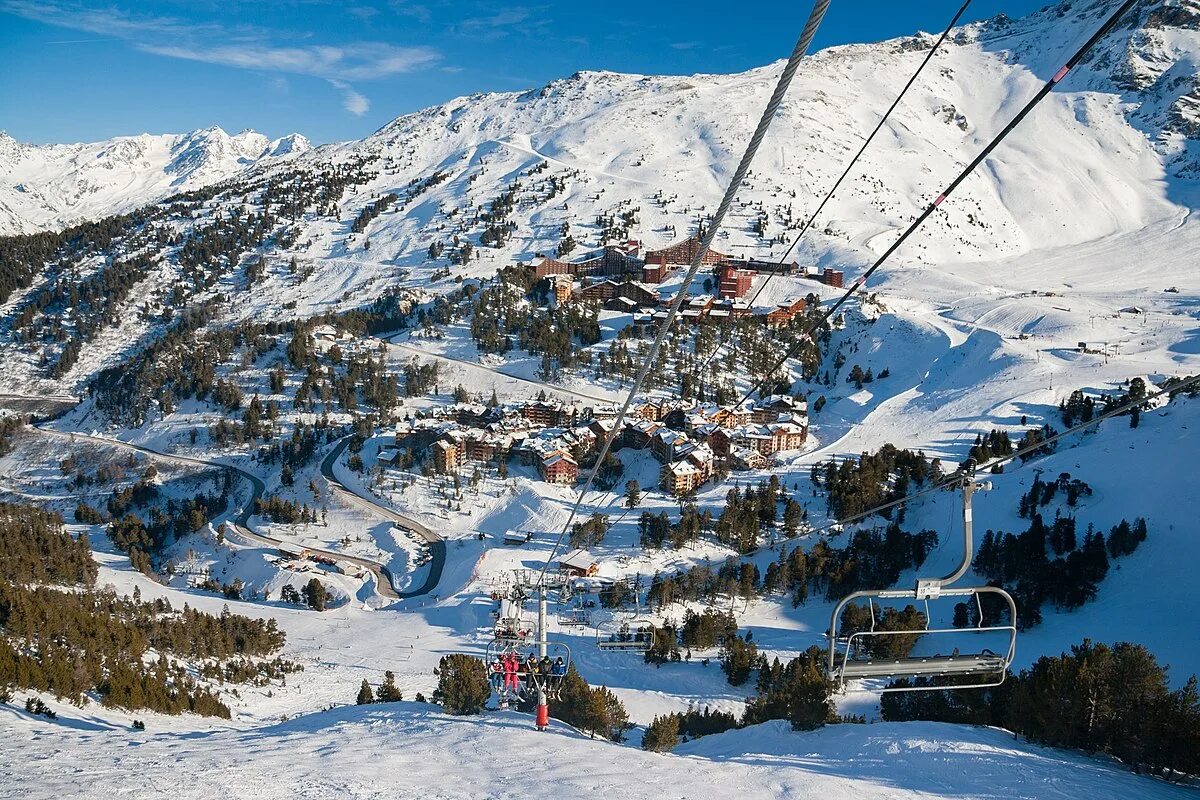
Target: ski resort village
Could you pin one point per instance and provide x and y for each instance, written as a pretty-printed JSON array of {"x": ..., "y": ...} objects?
[{"x": 823, "y": 427}]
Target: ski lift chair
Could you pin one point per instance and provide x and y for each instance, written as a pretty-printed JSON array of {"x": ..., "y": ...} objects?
[
  {"x": 573, "y": 617},
  {"x": 553, "y": 649},
  {"x": 959, "y": 670},
  {"x": 636, "y": 636}
]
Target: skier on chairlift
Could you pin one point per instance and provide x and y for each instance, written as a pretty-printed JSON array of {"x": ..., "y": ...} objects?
[
  {"x": 511, "y": 668},
  {"x": 531, "y": 673},
  {"x": 497, "y": 675},
  {"x": 558, "y": 672}
]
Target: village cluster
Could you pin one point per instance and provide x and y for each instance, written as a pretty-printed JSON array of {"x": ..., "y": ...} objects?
[
  {"x": 693, "y": 441},
  {"x": 605, "y": 279}
]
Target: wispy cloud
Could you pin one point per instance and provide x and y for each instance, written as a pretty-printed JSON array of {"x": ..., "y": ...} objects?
[
  {"x": 352, "y": 101},
  {"x": 508, "y": 21},
  {"x": 415, "y": 10},
  {"x": 243, "y": 47},
  {"x": 358, "y": 61}
]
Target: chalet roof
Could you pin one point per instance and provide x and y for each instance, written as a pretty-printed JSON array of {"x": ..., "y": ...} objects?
[
  {"x": 558, "y": 458},
  {"x": 681, "y": 468},
  {"x": 578, "y": 559}
]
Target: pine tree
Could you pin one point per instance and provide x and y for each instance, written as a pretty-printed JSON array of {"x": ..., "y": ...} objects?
[
  {"x": 463, "y": 687},
  {"x": 388, "y": 693},
  {"x": 633, "y": 493},
  {"x": 365, "y": 696},
  {"x": 315, "y": 594},
  {"x": 662, "y": 734}
]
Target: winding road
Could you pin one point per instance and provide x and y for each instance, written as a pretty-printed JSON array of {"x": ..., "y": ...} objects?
[
  {"x": 240, "y": 522},
  {"x": 437, "y": 545}
]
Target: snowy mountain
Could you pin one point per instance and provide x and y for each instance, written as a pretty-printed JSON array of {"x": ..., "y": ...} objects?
[
  {"x": 1079, "y": 229},
  {"x": 1105, "y": 162},
  {"x": 50, "y": 186}
]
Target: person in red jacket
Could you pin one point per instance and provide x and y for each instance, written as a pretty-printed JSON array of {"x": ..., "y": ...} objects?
[{"x": 511, "y": 667}]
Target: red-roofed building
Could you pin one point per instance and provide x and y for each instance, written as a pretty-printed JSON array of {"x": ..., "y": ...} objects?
[{"x": 733, "y": 282}]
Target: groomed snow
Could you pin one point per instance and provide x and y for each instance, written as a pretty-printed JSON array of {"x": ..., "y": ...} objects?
[{"x": 409, "y": 750}]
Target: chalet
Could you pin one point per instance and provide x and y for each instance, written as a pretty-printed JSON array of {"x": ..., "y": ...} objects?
[
  {"x": 677, "y": 418},
  {"x": 683, "y": 253},
  {"x": 770, "y": 409},
  {"x": 559, "y": 468},
  {"x": 681, "y": 477},
  {"x": 668, "y": 445},
  {"x": 578, "y": 564},
  {"x": 638, "y": 434},
  {"x": 721, "y": 442},
  {"x": 733, "y": 308},
  {"x": 785, "y": 312},
  {"x": 447, "y": 457},
  {"x": 349, "y": 568},
  {"x": 787, "y": 436},
  {"x": 485, "y": 446},
  {"x": 563, "y": 287},
  {"x": 604, "y": 412},
  {"x": 289, "y": 550},
  {"x": 600, "y": 428},
  {"x": 653, "y": 410},
  {"x": 756, "y": 437},
  {"x": 600, "y": 292},
  {"x": 549, "y": 413},
  {"x": 743, "y": 458},
  {"x": 732, "y": 416},
  {"x": 388, "y": 456}
]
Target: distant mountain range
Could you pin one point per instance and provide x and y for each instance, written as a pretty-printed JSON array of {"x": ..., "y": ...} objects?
[{"x": 49, "y": 186}]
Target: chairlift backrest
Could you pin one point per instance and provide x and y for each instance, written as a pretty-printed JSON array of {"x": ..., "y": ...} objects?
[{"x": 980, "y": 668}]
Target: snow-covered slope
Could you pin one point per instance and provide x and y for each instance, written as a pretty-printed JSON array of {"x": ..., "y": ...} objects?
[
  {"x": 410, "y": 750},
  {"x": 1102, "y": 156},
  {"x": 50, "y": 186}
]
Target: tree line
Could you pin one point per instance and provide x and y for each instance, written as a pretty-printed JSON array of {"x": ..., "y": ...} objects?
[
  {"x": 1099, "y": 698},
  {"x": 80, "y": 639}
]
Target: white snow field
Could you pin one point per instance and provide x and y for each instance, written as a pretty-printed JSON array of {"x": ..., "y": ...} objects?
[{"x": 409, "y": 750}]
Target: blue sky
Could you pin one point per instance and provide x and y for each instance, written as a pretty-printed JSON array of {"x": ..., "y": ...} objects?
[{"x": 79, "y": 70}]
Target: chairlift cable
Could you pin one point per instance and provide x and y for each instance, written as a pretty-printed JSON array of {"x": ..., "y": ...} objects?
[
  {"x": 853, "y": 161},
  {"x": 1102, "y": 31},
  {"x": 785, "y": 78}
]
